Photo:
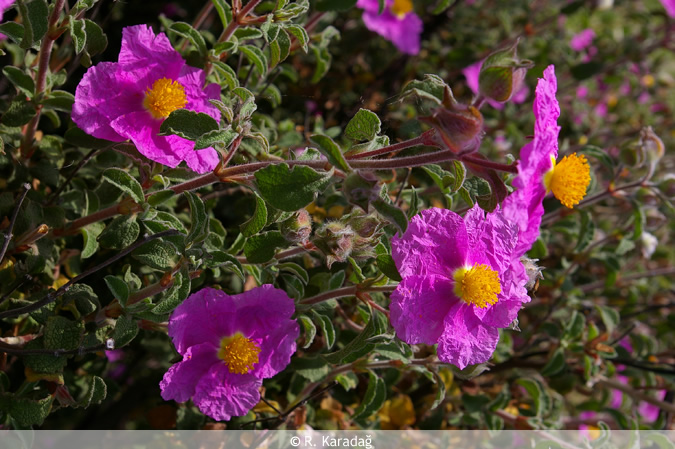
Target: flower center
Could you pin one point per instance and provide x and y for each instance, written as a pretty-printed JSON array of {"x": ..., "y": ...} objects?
[
  {"x": 569, "y": 179},
  {"x": 478, "y": 285},
  {"x": 239, "y": 353},
  {"x": 164, "y": 97},
  {"x": 401, "y": 7}
]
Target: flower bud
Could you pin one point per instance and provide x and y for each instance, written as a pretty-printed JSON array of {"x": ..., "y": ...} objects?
[
  {"x": 502, "y": 74},
  {"x": 667, "y": 185},
  {"x": 364, "y": 225},
  {"x": 458, "y": 126},
  {"x": 298, "y": 227},
  {"x": 361, "y": 188},
  {"x": 335, "y": 240}
]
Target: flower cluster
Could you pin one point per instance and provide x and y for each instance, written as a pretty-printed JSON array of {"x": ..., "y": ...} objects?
[
  {"x": 229, "y": 344},
  {"x": 130, "y": 98}
]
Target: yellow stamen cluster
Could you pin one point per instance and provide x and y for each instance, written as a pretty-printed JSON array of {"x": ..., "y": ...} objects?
[
  {"x": 569, "y": 179},
  {"x": 478, "y": 285},
  {"x": 239, "y": 353},
  {"x": 164, "y": 97},
  {"x": 401, "y": 7}
]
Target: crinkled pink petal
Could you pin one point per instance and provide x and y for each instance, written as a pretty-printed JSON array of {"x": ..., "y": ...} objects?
[
  {"x": 403, "y": 32},
  {"x": 491, "y": 238},
  {"x": 143, "y": 130},
  {"x": 465, "y": 339},
  {"x": 100, "y": 98},
  {"x": 205, "y": 316},
  {"x": 192, "y": 80},
  {"x": 201, "y": 161},
  {"x": 261, "y": 309},
  {"x": 222, "y": 395},
  {"x": 669, "y": 5},
  {"x": 419, "y": 305},
  {"x": 277, "y": 349},
  {"x": 181, "y": 379},
  {"x": 140, "y": 45},
  {"x": 434, "y": 243}
]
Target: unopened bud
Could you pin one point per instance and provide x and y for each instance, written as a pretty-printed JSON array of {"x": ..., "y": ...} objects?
[
  {"x": 502, "y": 74},
  {"x": 335, "y": 240},
  {"x": 667, "y": 185},
  {"x": 458, "y": 126},
  {"x": 364, "y": 225},
  {"x": 652, "y": 145},
  {"x": 298, "y": 227},
  {"x": 361, "y": 188}
]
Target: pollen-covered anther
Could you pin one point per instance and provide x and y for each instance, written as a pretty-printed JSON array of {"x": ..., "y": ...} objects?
[
  {"x": 401, "y": 7},
  {"x": 164, "y": 97},
  {"x": 239, "y": 353},
  {"x": 478, "y": 285},
  {"x": 569, "y": 179}
]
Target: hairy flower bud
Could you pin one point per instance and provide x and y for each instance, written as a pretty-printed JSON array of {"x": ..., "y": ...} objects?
[
  {"x": 335, "y": 240},
  {"x": 298, "y": 227},
  {"x": 502, "y": 74},
  {"x": 364, "y": 225},
  {"x": 458, "y": 126}
]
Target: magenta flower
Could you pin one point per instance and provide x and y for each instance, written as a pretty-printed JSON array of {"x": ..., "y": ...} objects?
[
  {"x": 538, "y": 172},
  {"x": 458, "y": 287},
  {"x": 582, "y": 40},
  {"x": 398, "y": 23},
  {"x": 229, "y": 344},
  {"x": 4, "y": 6},
  {"x": 130, "y": 98},
  {"x": 472, "y": 73},
  {"x": 669, "y": 5}
]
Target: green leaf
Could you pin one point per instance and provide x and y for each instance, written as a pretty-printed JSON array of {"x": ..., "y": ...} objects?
[
  {"x": 35, "y": 21},
  {"x": 59, "y": 100},
  {"x": 18, "y": 113},
  {"x": 43, "y": 363},
  {"x": 79, "y": 138},
  {"x": 586, "y": 231},
  {"x": 290, "y": 190},
  {"x": 387, "y": 266},
  {"x": 78, "y": 33},
  {"x": 258, "y": 220},
  {"x": 199, "y": 220},
  {"x": 126, "y": 183},
  {"x": 360, "y": 345},
  {"x": 62, "y": 333},
  {"x": 120, "y": 233},
  {"x": 373, "y": 400},
  {"x": 392, "y": 213},
  {"x": 576, "y": 326},
  {"x": 125, "y": 331},
  {"x": 96, "y": 392},
  {"x": 364, "y": 126},
  {"x": 118, "y": 288},
  {"x": 440, "y": 391},
  {"x": 90, "y": 234},
  {"x": 186, "y": 30},
  {"x": 224, "y": 136},
  {"x": 256, "y": 57},
  {"x": 536, "y": 390},
  {"x": 323, "y": 62},
  {"x": 260, "y": 248},
  {"x": 312, "y": 369},
  {"x": 188, "y": 124},
  {"x": 248, "y": 33},
  {"x": 156, "y": 254},
  {"x": 309, "y": 329},
  {"x": 13, "y": 30},
  {"x": 300, "y": 34},
  {"x": 432, "y": 87},
  {"x": 610, "y": 317},
  {"x": 20, "y": 79},
  {"x": 26, "y": 412},
  {"x": 224, "y": 11},
  {"x": 295, "y": 269},
  {"x": 326, "y": 327},
  {"x": 176, "y": 294},
  {"x": 158, "y": 198},
  {"x": 279, "y": 49},
  {"x": 556, "y": 363},
  {"x": 441, "y": 6},
  {"x": 332, "y": 151},
  {"x": 335, "y": 5},
  {"x": 348, "y": 380}
]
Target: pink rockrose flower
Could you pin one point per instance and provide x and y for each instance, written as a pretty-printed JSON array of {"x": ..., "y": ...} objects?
[
  {"x": 398, "y": 23},
  {"x": 669, "y": 5},
  {"x": 582, "y": 40},
  {"x": 4, "y": 6},
  {"x": 458, "y": 287},
  {"x": 472, "y": 73},
  {"x": 130, "y": 99},
  {"x": 229, "y": 345},
  {"x": 538, "y": 172}
]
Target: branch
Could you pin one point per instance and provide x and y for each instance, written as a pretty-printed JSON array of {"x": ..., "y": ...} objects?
[{"x": 8, "y": 234}]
